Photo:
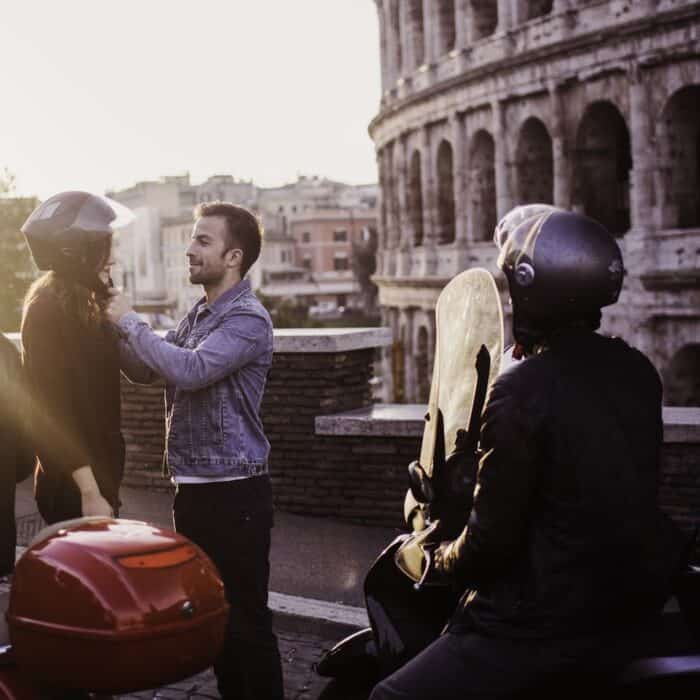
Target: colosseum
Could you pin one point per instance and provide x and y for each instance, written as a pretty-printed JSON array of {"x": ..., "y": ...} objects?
[{"x": 587, "y": 104}]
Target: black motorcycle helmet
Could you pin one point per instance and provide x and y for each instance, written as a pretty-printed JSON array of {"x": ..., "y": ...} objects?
[
  {"x": 562, "y": 268},
  {"x": 71, "y": 233}
]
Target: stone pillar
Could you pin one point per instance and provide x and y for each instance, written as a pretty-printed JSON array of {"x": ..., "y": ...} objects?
[
  {"x": 505, "y": 17},
  {"x": 393, "y": 45},
  {"x": 462, "y": 16},
  {"x": 383, "y": 45},
  {"x": 428, "y": 192},
  {"x": 408, "y": 57},
  {"x": 403, "y": 267},
  {"x": 561, "y": 168},
  {"x": 381, "y": 203},
  {"x": 503, "y": 196},
  {"x": 641, "y": 142},
  {"x": 430, "y": 30},
  {"x": 407, "y": 317},
  {"x": 459, "y": 176},
  {"x": 560, "y": 6}
]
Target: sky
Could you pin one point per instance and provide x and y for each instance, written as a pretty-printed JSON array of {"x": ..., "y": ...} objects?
[{"x": 99, "y": 95}]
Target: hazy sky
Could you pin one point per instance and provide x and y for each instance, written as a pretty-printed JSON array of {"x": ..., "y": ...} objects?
[{"x": 97, "y": 95}]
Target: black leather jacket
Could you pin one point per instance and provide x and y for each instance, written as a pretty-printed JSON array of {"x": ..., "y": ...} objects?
[{"x": 564, "y": 536}]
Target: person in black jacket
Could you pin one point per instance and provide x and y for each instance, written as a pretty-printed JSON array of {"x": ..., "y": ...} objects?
[
  {"x": 71, "y": 356},
  {"x": 18, "y": 455},
  {"x": 565, "y": 554}
]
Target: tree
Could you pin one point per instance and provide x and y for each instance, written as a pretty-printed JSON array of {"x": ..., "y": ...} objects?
[
  {"x": 364, "y": 265},
  {"x": 16, "y": 267}
]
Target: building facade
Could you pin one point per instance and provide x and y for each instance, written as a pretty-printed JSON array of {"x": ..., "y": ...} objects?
[
  {"x": 151, "y": 251},
  {"x": 590, "y": 105}
]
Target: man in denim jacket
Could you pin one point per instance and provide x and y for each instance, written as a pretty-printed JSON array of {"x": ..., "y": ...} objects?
[{"x": 215, "y": 365}]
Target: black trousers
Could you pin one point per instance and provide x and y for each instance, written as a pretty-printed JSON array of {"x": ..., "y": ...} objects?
[
  {"x": 231, "y": 522},
  {"x": 469, "y": 666}
]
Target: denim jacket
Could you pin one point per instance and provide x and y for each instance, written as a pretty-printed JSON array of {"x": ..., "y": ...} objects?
[{"x": 215, "y": 365}]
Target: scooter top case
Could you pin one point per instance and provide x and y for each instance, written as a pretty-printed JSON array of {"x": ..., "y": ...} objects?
[{"x": 114, "y": 606}]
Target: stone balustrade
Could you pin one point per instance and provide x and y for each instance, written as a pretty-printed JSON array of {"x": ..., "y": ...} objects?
[{"x": 336, "y": 454}]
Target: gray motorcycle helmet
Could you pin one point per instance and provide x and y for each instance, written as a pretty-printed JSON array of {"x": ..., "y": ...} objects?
[
  {"x": 71, "y": 234},
  {"x": 561, "y": 267}
]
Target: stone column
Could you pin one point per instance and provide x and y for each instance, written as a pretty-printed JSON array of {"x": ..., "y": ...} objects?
[
  {"x": 503, "y": 196},
  {"x": 505, "y": 17},
  {"x": 462, "y": 11},
  {"x": 393, "y": 45},
  {"x": 561, "y": 168},
  {"x": 459, "y": 176},
  {"x": 428, "y": 192},
  {"x": 408, "y": 59},
  {"x": 560, "y": 6},
  {"x": 403, "y": 267},
  {"x": 408, "y": 355},
  {"x": 641, "y": 177},
  {"x": 381, "y": 203},
  {"x": 430, "y": 29},
  {"x": 383, "y": 45}
]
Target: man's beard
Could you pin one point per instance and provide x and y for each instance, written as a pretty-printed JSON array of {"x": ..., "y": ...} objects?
[{"x": 203, "y": 275}]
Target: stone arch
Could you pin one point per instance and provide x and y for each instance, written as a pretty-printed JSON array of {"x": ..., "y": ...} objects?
[
  {"x": 533, "y": 163},
  {"x": 482, "y": 186},
  {"x": 446, "y": 24},
  {"x": 484, "y": 18},
  {"x": 398, "y": 365},
  {"x": 536, "y": 8},
  {"x": 679, "y": 139},
  {"x": 602, "y": 164},
  {"x": 395, "y": 24},
  {"x": 414, "y": 198},
  {"x": 682, "y": 377},
  {"x": 446, "y": 193},
  {"x": 422, "y": 365},
  {"x": 415, "y": 14}
]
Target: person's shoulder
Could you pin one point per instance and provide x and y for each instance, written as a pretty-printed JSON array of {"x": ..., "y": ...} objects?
[
  {"x": 43, "y": 310},
  {"x": 627, "y": 355}
]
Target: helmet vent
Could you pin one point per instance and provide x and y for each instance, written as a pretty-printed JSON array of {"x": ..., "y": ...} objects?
[{"x": 524, "y": 274}]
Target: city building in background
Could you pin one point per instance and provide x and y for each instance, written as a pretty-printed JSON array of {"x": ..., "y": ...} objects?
[
  {"x": 312, "y": 227},
  {"x": 590, "y": 105}
]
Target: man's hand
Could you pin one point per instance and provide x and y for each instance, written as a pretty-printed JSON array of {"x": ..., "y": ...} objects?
[
  {"x": 118, "y": 305},
  {"x": 91, "y": 500}
]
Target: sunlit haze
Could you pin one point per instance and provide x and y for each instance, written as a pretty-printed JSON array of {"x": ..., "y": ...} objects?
[{"x": 99, "y": 95}]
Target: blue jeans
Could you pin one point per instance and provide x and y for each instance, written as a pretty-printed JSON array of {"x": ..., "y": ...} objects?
[{"x": 231, "y": 522}]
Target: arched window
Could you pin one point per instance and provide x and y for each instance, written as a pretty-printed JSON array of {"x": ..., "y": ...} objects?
[
  {"x": 446, "y": 194},
  {"x": 446, "y": 26},
  {"x": 682, "y": 378},
  {"x": 533, "y": 164},
  {"x": 679, "y": 133},
  {"x": 422, "y": 369},
  {"x": 602, "y": 165},
  {"x": 415, "y": 14},
  {"x": 484, "y": 18},
  {"x": 482, "y": 186},
  {"x": 537, "y": 8},
  {"x": 414, "y": 199},
  {"x": 395, "y": 20}
]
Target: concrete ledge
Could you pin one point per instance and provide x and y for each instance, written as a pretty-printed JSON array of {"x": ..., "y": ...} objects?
[
  {"x": 378, "y": 420},
  {"x": 318, "y": 340},
  {"x": 313, "y": 340},
  {"x": 681, "y": 425}
]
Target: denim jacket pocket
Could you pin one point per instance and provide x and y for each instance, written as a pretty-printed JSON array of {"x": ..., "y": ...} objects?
[{"x": 206, "y": 416}]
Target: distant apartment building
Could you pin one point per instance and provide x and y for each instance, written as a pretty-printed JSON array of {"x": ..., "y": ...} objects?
[{"x": 331, "y": 214}]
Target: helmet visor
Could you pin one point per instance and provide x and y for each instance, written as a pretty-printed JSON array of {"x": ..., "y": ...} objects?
[
  {"x": 514, "y": 218},
  {"x": 520, "y": 242}
]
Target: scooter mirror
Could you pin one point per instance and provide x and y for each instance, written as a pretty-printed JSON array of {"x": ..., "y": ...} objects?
[{"x": 420, "y": 484}]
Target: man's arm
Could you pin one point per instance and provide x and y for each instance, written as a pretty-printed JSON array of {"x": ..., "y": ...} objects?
[
  {"x": 132, "y": 367},
  {"x": 504, "y": 491},
  {"x": 235, "y": 343}
]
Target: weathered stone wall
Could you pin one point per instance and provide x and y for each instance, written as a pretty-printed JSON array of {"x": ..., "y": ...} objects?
[{"x": 591, "y": 106}]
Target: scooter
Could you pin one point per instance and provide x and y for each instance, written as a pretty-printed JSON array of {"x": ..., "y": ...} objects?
[
  {"x": 406, "y": 614},
  {"x": 108, "y": 606}
]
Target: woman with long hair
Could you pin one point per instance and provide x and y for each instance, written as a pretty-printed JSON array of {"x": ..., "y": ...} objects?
[{"x": 71, "y": 357}]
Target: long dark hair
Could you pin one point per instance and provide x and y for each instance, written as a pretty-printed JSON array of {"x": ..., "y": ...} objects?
[{"x": 75, "y": 299}]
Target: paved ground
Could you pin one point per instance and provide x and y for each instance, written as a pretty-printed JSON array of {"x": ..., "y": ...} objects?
[{"x": 318, "y": 567}]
